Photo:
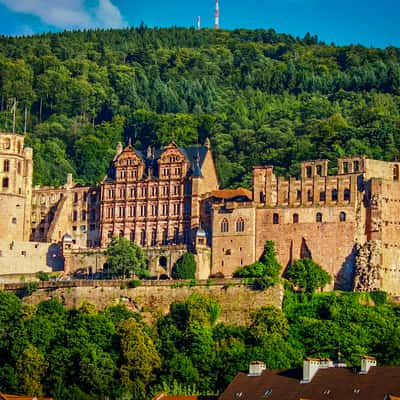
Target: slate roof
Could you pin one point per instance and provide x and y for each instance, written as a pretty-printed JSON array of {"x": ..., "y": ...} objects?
[{"x": 327, "y": 384}]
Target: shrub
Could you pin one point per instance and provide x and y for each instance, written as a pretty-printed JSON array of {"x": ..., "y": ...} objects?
[
  {"x": 134, "y": 283},
  {"x": 185, "y": 267},
  {"x": 43, "y": 276}
]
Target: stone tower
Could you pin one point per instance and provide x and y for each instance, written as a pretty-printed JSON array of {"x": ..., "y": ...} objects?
[{"x": 16, "y": 169}]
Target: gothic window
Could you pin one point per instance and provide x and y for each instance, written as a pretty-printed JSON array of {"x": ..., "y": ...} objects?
[
  {"x": 143, "y": 238},
  {"x": 396, "y": 173},
  {"x": 153, "y": 237},
  {"x": 224, "y": 226},
  {"x": 165, "y": 237},
  {"x": 318, "y": 217},
  {"x": 346, "y": 194},
  {"x": 322, "y": 196},
  {"x": 319, "y": 170},
  {"x": 342, "y": 216},
  {"x": 240, "y": 225},
  {"x": 295, "y": 218},
  {"x": 308, "y": 172},
  {"x": 334, "y": 195},
  {"x": 6, "y": 167},
  {"x": 6, "y": 183},
  {"x": 275, "y": 219}
]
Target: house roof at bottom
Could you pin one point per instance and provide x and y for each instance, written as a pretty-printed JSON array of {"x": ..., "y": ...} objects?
[
  {"x": 16, "y": 397},
  {"x": 330, "y": 383}
]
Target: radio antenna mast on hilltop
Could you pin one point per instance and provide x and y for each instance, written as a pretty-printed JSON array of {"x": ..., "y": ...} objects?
[{"x": 216, "y": 25}]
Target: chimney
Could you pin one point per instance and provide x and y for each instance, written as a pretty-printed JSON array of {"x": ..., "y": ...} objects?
[
  {"x": 310, "y": 368},
  {"x": 366, "y": 363},
  {"x": 256, "y": 368}
]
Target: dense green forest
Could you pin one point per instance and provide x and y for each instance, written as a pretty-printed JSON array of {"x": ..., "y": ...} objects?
[
  {"x": 260, "y": 96},
  {"x": 85, "y": 354}
]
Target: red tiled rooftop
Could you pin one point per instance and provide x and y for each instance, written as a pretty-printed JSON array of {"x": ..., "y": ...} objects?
[{"x": 232, "y": 193}]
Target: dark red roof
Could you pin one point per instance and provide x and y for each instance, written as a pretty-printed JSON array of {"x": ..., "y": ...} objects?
[{"x": 327, "y": 384}]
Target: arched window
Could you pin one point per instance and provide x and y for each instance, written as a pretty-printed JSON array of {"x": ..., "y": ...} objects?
[
  {"x": 6, "y": 166},
  {"x": 334, "y": 194},
  {"x": 6, "y": 183},
  {"x": 275, "y": 219},
  {"x": 346, "y": 194},
  {"x": 240, "y": 225},
  {"x": 318, "y": 217},
  {"x": 342, "y": 216},
  {"x": 224, "y": 225},
  {"x": 396, "y": 173},
  {"x": 295, "y": 218}
]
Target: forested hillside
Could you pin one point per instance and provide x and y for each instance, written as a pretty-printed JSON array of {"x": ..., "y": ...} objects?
[{"x": 262, "y": 98}]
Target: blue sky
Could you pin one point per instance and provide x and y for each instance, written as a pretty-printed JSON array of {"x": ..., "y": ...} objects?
[{"x": 369, "y": 22}]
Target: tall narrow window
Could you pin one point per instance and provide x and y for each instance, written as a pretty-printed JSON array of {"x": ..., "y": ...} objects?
[
  {"x": 240, "y": 225},
  {"x": 165, "y": 237},
  {"x": 346, "y": 194},
  {"x": 275, "y": 219},
  {"x": 309, "y": 195},
  {"x": 356, "y": 166},
  {"x": 295, "y": 218},
  {"x": 334, "y": 195},
  {"x": 319, "y": 170},
  {"x": 153, "y": 237},
  {"x": 345, "y": 167},
  {"x": 6, "y": 166},
  {"x": 342, "y": 216},
  {"x": 224, "y": 226},
  {"x": 132, "y": 235},
  {"x": 396, "y": 173},
  {"x": 143, "y": 238},
  {"x": 6, "y": 183},
  {"x": 308, "y": 172},
  {"x": 318, "y": 217},
  {"x": 176, "y": 235},
  {"x": 322, "y": 196},
  {"x": 298, "y": 195}
]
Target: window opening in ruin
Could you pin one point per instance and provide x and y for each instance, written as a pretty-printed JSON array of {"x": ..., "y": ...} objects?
[
  {"x": 262, "y": 197},
  {"x": 342, "y": 216},
  {"x": 275, "y": 219},
  {"x": 308, "y": 172},
  {"x": 295, "y": 218},
  {"x": 396, "y": 173},
  {"x": 165, "y": 237},
  {"x": 345, "y": 167},
  {"x": 6, "y": 183},
  {"x": 322, "y": 196},
  {"x": 318, "y": 217},
  {"x": 224, "y": 226},
  {"x": 176, "y": 235},
  {"x": 132, "y": 236},
  {"x": 153, "y": 237},
  {"x": 75, "y": 216},
  {"x": 240, "y": 225},
  {"x": 319, "y": 170},
  {"x": 6, "y": 167},
  {"x": 7, "y": 143},
  {"x": 143, "y": 238},
  {"x": 298, "y": 195},
  {"x": 356, "y": 166},
  {"x": 14, "y": 220},
  {"x": 346, "y": 194},
  {"x": 334, "y": 194},
  {"x": 163, "y": 262},
  {"x": 309, "y": 195}
]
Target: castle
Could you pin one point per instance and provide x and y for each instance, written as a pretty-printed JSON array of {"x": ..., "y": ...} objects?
[{"x": 168, "y": 201}]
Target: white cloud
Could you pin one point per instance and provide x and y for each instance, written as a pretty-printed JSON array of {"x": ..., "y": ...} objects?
[{"x": 70, "y": 13}]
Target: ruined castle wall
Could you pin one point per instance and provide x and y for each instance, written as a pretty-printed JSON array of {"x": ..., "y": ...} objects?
[
  {"x": 330, "y": 243},
  {"x": 18, "y": 257},
  {"x": 154, "y": 298},
  {"x": 389, "y": 224}
]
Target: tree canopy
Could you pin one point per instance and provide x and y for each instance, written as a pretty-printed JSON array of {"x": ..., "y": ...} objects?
[{"x": 125, "y": 258}]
